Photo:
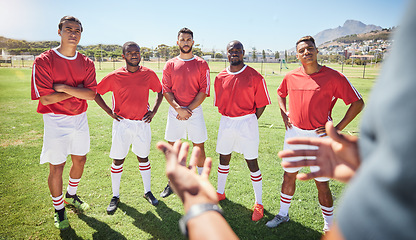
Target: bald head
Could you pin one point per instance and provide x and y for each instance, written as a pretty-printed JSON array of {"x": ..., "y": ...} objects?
[{"x": 235, "y": 44}]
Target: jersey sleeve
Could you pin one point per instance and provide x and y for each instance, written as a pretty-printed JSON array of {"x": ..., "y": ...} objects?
[
  {"x": 261, "y": 96},
  {"x": 104, "y": 85},
  {"x": 346, "y": 91},
  {"x": 166, "y": 78},
  {"x": 205, "y": 81},
  {"x": 90, "y": 81},
  {"x": 282, "y": 89},
  {"x": 155, "y": 83},
  {"x": 42, "y": 82}
]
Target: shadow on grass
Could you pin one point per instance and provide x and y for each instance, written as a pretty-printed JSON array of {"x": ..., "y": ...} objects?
[
  {"x": 103, "y": 230},
  {"x": 239, "y": 218},
  {"x": 69, "y": 234},
  {"x": 164, "y": 228}
]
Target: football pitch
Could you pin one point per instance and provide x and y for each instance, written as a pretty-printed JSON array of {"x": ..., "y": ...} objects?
[{"x": 26, "y": 205}]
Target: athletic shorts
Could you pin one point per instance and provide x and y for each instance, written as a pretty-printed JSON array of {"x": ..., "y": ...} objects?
[
  {"x": 64, "y": 135},
  {"x": 239, "y": 134},
  {"x": 130, "y": 132},
  {"x": 194, "y": 127},
  {"x": 297, "y": 132}
]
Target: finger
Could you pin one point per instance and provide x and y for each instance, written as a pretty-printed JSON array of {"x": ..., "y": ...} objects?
[
  {"x": 207, "y": 168},
  {"x": 305, "y": 141},
  {"x": 170, "y": 156},
  {"x": 300, "y": 163},
  {"x": 196, "y": 151},
  {"x": 307, "y": 176},
  {"x": 183, "y": 153}
]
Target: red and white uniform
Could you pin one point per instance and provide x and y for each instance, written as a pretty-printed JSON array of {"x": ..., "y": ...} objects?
[
  {"x": 312, "y": 97},
  {"x": 240, "y": 93},
  {"x": 186, "y": 78},
  {"x": 130, "y": 91},
  {"x": 51, "y": 67},
  {"x": 237, "y": 96}
]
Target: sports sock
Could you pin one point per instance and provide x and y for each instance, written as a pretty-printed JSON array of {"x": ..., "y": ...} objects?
[
  {"x": 58, "y": 202},
  {"x": 285, "y": 201},
  {"x": 223, "y": 171},
  {"x": 200, "y": 169},
  {"x": 72, "y": 186},
  {"x": 144, "y": 168},
  {"x": 257, "y": 182},
  {"x": 328, "y": 214},
  {"x": 116, "y": 172}
]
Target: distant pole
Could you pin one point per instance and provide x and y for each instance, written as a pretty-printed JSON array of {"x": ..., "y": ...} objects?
[
  {"x": 23, "y": 63},
  {"x": 281, "y": 65},
  {"x": 364, "y": 70},
  {"x": 261, "y": 67},
  {"x": 158, "y": 63}
]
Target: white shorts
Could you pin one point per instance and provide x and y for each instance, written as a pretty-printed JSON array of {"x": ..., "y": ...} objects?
[
  {"x": 239, "y": 134},
  {"x": 130, "y": 132},
  {"x": 194, "y": 127},
  {"x": 64, "y": 135},
  {"x": 297, "y": 132}
]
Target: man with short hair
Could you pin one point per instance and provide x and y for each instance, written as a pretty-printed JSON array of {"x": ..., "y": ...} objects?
[
  {"x": 132, "y": 116},
  {"x": 186, "y": 84},
  {"x": 62, "y": 80},
  {"x": 241, "y": 96},
  {"x": 313, "y": 91}
]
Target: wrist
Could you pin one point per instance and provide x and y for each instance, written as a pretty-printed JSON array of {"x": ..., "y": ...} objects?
[{"x": 195, "y": 211}]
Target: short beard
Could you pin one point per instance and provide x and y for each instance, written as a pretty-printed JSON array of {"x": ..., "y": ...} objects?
[
  {"x": 183, "y": 51},
  {"x": 132, "y": 64},
  {"x": 236, "y": 63}
]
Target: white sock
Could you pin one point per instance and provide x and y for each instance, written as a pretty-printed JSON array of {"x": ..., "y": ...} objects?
[
  {"x": 72, "y": 186},
  {"x": 144, "y": 168},
  {"x": 223, "y": 171},
  {"x": 116, "y": 172},
  {"x": 200, "y": 169},
  {"x": 257, "y": 182},
  {"x": 285, "y": 201},
  {"x": 328, "y": 214},
  {"x": 58, "y": 202}
]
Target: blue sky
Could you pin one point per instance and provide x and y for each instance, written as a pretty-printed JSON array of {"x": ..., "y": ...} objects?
[{"x": 274, "y": 24}]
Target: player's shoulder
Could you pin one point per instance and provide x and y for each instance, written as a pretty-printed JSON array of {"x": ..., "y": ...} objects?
[
  {"x": 45, "y": 56},
  {"x": 199, "y": 59},
  {"x": 85, "y": 58},
  {"x": 146, "y": 69},
  {"x": 295, "y": 71}
]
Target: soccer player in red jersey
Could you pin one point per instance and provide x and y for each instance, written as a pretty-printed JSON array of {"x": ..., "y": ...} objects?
[
  {"x": 241, "y": 96},
  {"x": 313, "y": 91},
  {"x": 186, "y": 84},
  {"x": 132, "y": 116},
  {"x": 62, "y": 81}
]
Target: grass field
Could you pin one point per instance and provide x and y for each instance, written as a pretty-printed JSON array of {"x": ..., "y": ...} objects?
[{"x": 27, "y": 210}]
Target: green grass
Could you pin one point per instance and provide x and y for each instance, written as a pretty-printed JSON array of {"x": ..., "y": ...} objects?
[{"x": 27, "y": 210}]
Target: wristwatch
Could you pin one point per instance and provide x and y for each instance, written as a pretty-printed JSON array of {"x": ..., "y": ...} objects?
[{"x": 195, "y": 211}]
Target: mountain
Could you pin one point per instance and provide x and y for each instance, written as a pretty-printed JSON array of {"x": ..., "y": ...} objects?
[{"x": 350, "y": 27}]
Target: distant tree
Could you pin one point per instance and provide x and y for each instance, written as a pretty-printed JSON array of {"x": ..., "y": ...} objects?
[
  {"x": 264, "y": 55},
  {"x": 285, "y": 55},
  {"x": 219, "y": 55},
  {"x": 276, "y": 55},
  {"x": 254, "y": 54}
]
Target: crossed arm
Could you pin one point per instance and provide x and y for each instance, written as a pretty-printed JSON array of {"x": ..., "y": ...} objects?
[{"x": 63, "y": 92}]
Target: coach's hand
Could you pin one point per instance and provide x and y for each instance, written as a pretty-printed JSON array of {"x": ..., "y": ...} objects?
[
  {"x": 184, "y": 113},
  {"x": 336, "y": 156},
  {"x": 189, "y": 186}
]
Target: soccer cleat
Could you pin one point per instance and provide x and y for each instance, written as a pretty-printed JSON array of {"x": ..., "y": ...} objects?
[
  {"x": 258, "y": 212},
  {"x": 113, "y": 205},
  {"x": 221, "y": 196},
  {"x": 168, "y": 191},
  {"x": 76, "y": 202},
  {"x": 277, "y": 220},
  {"x": 150, "y": 198},
  {"x": 61, "y": 220}
]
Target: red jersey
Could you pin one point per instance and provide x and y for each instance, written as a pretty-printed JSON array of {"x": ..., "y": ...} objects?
[
  {"x": 130, "y": 91},
  {"x": 240, "y": 93},
  {"x": 51, "y": 67},
  {"x": 312, "y": 97},
  {"x": 186, "y": 78}
]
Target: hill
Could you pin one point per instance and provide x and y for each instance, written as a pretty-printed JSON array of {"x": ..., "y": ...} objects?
[{"x": 350, "y": 27}]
